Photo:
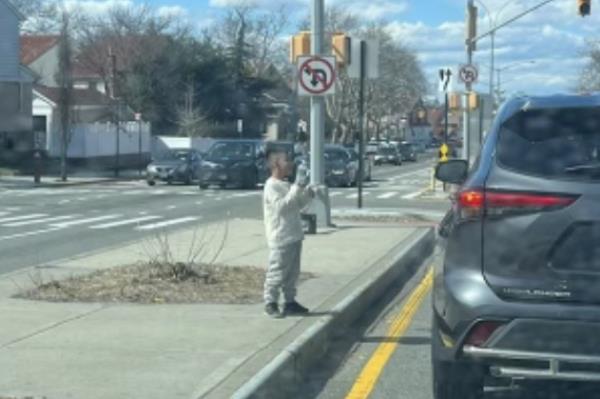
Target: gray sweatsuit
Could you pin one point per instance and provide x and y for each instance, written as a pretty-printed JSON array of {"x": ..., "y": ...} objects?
[{"x": 282, "y": 203}]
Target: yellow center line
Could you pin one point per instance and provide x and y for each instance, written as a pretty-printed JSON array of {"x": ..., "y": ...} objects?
[{"x": 364, "y": 384}]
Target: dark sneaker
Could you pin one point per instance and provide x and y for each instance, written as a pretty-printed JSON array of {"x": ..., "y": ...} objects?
[
  {"x": 294, "y": 308},
  {"x": 272, "y": 310}
]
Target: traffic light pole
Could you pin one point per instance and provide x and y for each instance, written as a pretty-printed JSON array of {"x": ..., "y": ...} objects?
[
  {"x": 320, "y": 206},
  {"x": 361, "y": 123}
]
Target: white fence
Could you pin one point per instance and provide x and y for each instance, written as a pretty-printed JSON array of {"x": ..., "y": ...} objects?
[
  {"x": 100, "y": 140},
  {"x": 162, "y": 144}
]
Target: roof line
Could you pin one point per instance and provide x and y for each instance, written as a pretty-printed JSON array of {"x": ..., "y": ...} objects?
[
  {"x": 44, "y": 97},
  {"x": 14, "y": 9}
]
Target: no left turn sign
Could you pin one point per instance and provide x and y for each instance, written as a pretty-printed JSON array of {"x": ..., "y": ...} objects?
[
  {"x": 316, "y": 76},
  {"x": 469, "y": 73}
]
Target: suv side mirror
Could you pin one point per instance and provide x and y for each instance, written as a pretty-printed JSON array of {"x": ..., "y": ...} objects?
[{"x": 454, "y": 171}]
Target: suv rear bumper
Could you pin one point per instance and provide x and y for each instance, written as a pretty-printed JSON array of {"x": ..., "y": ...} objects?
[
  {"x": 538, "y": 341},
  {"x": 537, "y": 365}
]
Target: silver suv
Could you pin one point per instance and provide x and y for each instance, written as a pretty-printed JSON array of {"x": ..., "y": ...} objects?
[{"x": 518, "y": 294}]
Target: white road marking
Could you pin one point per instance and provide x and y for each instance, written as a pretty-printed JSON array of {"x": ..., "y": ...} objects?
[
  {"x": 414, "y": 195},
  {"x": 167, "y": 223},
  {"x": 85, "y": 221},
  {"x": 355, "y": 195},
  {"x": 387, "y": 195},
  {"x": 28, "y": 234},
  {"x": 250, "y": 194},
  {"x": 188, "y": 193},
  {"x": 171, "y": 207},
  {"x": 199, "y": 202},
  {"x": 335, "y": 193},
  {"x": 124, "y": 222},
  {"x": 39, "y": 221},
  {"x": 23, "y": 217}
]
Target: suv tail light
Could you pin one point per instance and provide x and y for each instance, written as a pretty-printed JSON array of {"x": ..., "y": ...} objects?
[
  {"x": 474, "y": 203},
  {"x": 481, "y": 332}
]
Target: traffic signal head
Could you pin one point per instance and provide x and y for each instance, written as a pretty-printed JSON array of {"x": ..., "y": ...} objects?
[
  {"x": 299, "y": 46},
  {"x": 584, "y": 7},
  {"x": 471, "y": 25},
  {"x": 341, "y": 46}
]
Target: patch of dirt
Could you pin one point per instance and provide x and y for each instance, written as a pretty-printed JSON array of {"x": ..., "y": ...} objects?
[{"x": 157, "y": 284}]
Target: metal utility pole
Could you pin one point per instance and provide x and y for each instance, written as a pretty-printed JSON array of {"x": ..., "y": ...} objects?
[
  {"x": 116, "y": 105},
  {"x": 361, "y": 113},
  {"x": 321, "y": 204}
]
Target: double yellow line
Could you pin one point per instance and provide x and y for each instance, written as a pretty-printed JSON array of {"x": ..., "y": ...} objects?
[{"x": 369, "y": 375}]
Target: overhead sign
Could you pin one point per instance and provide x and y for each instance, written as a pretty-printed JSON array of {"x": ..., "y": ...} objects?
[
  {"x": 371, "y": 55},
  {"x": 468, "y": 74},
  {"x": 445, "y": 78},
  {"x": 316, "y": 76}
]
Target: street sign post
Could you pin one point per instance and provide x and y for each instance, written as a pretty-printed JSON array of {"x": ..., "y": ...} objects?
[
  {"x": 468, "y": 74},
  {"x": 445, "y": 76},
  {"x": 316, "y": 76}
]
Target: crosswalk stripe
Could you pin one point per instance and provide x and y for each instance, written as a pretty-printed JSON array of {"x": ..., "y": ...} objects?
[
  {"x": 4, "y": 213},
  {"x": 23, "y": 217},
  {"x": 335, "y": 193},
  {"x": 39, "y": 221},
  {"x": 124, "y": 222},
  {"x": 167, "y": 223},
  {"x": 250, "y": 194},
  {"x": 355, "y": 195},
  {"x": 414, "y": 195},
  {"x": 85, "y": 221},
  {"x": 387, "y": 195}
]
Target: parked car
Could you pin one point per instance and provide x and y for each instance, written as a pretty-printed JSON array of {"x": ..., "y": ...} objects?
[
  {"x": 407, "y": 151},
  {"x": 234, "y": 162},
  {"x": 341, "y": 169},
  {"x": 178, "y": 165},
  {"x": 517, "y": 296},
  {"x": 388, "y": 155},
  {"x": 368, "y": 164}
]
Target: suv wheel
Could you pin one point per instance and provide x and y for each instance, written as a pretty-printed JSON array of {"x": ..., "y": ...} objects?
[
  {"x": 203, "y": 186},
  {"x": 454, "y": 379},
  {"x": 151, "y": 182}
]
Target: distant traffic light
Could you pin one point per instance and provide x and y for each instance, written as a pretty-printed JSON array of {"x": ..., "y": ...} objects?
[
  {"x": 341, "y": 46},
  {"x": 584, "y": 7},
  {"x": 471, "y": 33},
  {"x": 299, "y": 46}
]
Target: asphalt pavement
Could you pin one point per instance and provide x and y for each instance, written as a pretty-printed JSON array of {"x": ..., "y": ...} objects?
[
  {"x": 39, "y": 226},
  {"x": 388, "y": 356}
]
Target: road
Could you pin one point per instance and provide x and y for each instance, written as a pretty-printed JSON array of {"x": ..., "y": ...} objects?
[
  {"x": 378, "y": 360},
  {"x": 39, "y": 226}
]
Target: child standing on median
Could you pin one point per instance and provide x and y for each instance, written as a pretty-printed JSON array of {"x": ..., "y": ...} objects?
[{"x": 282, "y": 203}]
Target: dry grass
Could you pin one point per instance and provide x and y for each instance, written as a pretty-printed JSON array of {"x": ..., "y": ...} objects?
[{"x": 152, "y": 284}]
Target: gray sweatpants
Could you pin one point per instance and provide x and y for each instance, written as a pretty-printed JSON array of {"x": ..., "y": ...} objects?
[{"x": 283, "y": 273}]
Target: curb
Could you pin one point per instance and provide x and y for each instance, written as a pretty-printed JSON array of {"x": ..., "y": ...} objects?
[
  {"x": 284, "y": 374},
  {"x": 77, "y": 183}
]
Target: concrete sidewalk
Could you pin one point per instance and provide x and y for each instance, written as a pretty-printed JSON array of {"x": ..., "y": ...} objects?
[{"x": 124, "y": 351}]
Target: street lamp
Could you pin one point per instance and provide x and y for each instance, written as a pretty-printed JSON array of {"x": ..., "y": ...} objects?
[
  {"x": 495, "y": 26},
  {"x": 493, "y": 21}
]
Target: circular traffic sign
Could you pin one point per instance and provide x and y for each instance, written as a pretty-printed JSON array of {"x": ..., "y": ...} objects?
[
  {"x": 469, "y": 73},
  {"x": 317, "y": 75}
]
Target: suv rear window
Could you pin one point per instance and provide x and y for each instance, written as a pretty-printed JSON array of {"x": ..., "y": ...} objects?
[{"x": 560, "y": 143}]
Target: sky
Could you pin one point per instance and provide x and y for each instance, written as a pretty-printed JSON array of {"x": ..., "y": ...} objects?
[{"x": 542, "y": 53}]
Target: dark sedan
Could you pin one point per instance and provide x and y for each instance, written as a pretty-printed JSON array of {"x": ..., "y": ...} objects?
[
  {"x": 234, "y": 162},
  {"x": 179, "y": 165}
]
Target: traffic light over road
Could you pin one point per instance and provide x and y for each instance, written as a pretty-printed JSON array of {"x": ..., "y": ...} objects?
[
  {"x": 584, "y": 7},
  {"x": 341, "y": 46},
  {"x": 299, "y": 46}
]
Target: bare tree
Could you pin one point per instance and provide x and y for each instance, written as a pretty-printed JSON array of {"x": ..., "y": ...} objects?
[
  {"x": 264, "y": 43},
  {"x": 65, "y": 83},
  {"x": 589, "y": 79}
]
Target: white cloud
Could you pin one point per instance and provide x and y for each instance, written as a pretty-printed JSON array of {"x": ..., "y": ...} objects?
[
  {"x": 172, "y": 11},
  {"x": 97, "y": 7}
]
